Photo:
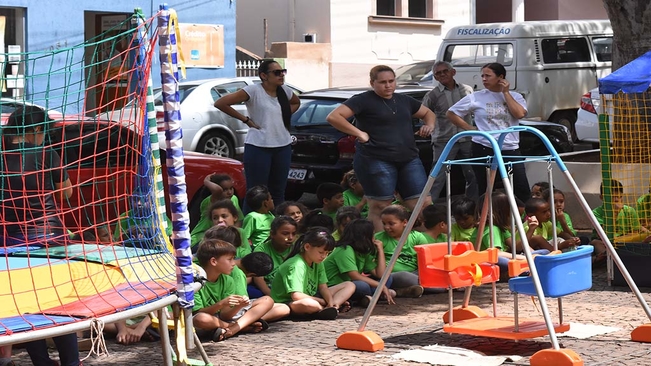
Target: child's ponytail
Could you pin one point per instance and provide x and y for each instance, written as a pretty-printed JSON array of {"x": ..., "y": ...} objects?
[{"x": 315, "y": 236}]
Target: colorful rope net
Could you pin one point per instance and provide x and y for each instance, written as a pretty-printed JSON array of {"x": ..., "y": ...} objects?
[{"x": 84, "y": 231}]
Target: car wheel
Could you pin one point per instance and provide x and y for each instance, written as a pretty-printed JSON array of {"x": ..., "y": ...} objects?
[
  {"x": 215, "y": 143},
  {"x": 567, "y": 119}
]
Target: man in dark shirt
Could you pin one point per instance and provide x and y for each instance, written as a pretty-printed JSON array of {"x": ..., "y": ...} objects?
[{"x": 32, "y": 178}]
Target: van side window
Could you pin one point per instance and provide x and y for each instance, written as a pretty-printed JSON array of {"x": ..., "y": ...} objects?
[
  {"x": 477, "y": 55},
  {"x": 562, "y": 50},
  {"x": 603, "y": 48}
]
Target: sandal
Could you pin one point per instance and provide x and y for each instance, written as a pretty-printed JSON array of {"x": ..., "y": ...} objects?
[
  {"x": 264, "y": 323},
  {"x": 345, "y": 307},
  {"x": 219, "y": 335},
  {"x": 150, "y": 335},
  {"x": 327, "y": 314}
]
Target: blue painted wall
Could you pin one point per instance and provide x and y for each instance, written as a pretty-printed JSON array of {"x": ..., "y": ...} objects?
[{"x": 57, "y": 25}]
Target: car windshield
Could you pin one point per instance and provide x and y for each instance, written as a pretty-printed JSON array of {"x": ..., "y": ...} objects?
[
  {"x": 313, "y": 112},
  {"x": 413, "y": 72}
]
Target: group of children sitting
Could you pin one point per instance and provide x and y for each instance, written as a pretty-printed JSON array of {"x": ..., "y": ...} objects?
[{"x": 280, "y": 262}]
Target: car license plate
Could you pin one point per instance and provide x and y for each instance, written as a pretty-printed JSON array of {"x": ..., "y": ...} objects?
[{"x": 297, "y": 174}]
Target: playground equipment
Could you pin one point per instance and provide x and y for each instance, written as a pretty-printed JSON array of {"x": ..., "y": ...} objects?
[
  {"x": 458, "y": 265},
  {"x": 60, "y": 286}
]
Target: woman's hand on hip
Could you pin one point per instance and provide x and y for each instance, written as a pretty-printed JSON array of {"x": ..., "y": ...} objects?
[
  {"x": 363, "y": 137},
  {"x": 425, "y": 130},
  {"x": 251, "y": 124}
]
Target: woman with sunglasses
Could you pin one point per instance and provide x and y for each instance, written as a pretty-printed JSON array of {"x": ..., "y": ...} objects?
[
  {"x": 386, "y": 156},
  {"x": 267, "y": 147}
]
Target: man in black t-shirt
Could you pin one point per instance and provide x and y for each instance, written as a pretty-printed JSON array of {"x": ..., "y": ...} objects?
[{"x": 30, "y": 177}]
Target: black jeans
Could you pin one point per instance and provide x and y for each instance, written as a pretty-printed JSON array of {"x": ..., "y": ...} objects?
[{"x": 521, "y": 188}]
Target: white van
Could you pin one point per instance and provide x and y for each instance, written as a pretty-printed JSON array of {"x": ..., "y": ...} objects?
[{"x": 549, "y": 62}]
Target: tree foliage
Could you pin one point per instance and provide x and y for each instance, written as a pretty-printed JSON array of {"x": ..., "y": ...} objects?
[{"x": 631, "y": 22}]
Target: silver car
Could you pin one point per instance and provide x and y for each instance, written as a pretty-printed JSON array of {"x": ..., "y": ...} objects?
[{"x": 205, "y": 128}]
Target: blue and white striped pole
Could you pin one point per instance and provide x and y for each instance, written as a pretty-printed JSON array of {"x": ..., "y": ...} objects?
[
  {"x": 150, "y": 110},
  {"x": 175, "y": 166}
]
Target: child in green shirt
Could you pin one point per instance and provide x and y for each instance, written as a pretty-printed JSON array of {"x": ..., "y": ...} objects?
[
  {"x": 301, "y": 280},
  {"x": 258, "y": 222},
  {"x": 356, "y": 254},
  {"x": 465, "y": 219},
  {"x": 541, "y": 233},
  {"x": 436, "y": 223},
  {"x": 224, "y": 214},
  {"x": 345, "y": 215},
  {"x": 220, "y": 187},
  {"x": 277, "y": 246},
  {"x": 625, "y": 218},
  {"x": 354, "y": 193},
  {"x": 405, "y": 272},
  {"x": 330, "y": 196},
  {"x": 219, "y": 311},
  {"x": 295, "y": 210}
]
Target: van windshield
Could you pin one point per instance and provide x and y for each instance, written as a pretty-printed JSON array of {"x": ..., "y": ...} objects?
[{"x": 477, "y": 55}]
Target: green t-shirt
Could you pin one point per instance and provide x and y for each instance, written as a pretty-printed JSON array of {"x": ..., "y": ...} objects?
[
  {"x": 568, "y": 220},
  {"x": 544, "y": 229},
  {"x": 407, "y": 259},
  {"x": 333, "y": 215},
  {"x": 499, "y": 237},
  {"x": 256, "y": 227},
  {"x": 236, "y": 203},
  {"x": 205, "y": 223},
  {"x": 343, "y": 260},
  {"x": 213, "y": 292},
  {"x": 460, "y": 234},
  {"x": 127, "y": 223},
  {"x": 296, "y": 276},
  {"x": 276, "y": 257},
  {"x": 643, "y": 207},
  {"x": 239, "y": 282},
  {"x": 627, "y": 221},
  {"x": 442, "y": 238},
  {"x": 336, "y": 236},
  {"x": 245, "y": 247},
  {"x": 351, "y": 199}
]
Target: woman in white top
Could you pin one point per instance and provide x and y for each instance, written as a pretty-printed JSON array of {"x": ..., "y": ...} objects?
[
  {"x": 267, "y": 147},
  {"x": 494, "y": 108}
]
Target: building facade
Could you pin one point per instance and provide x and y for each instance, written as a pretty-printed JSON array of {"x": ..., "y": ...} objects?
[
  {"x": 42, "y": 26},
  {"x": 358, "y": 34}
]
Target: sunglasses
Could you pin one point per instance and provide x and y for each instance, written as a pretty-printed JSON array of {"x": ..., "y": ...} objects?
[{"x": 278, "y": 72}]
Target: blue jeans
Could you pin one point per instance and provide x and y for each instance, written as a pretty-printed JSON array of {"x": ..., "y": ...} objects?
[
  {"x": 381, "y": 179},
  {"x": 66, "y": 345},
  {"x": 460, "y": 150},
  {"x": 364, "y": 289},
  {"x": 268, "y": 166}
]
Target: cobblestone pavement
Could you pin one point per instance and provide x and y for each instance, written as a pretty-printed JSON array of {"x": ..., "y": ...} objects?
[{"x": 413, "y": 323}]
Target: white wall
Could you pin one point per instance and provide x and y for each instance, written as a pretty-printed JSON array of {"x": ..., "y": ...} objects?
[
  {"x": 287, "y": 21},
  {"x": 357, "y": 45}
]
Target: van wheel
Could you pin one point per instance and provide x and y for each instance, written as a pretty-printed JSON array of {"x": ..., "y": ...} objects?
[
  {"x": 567, "y": 119},
  {"x": 215, "y": 143}
]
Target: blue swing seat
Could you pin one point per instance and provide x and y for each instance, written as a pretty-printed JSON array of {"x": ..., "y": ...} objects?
[{"x": 560, "y": 275}]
